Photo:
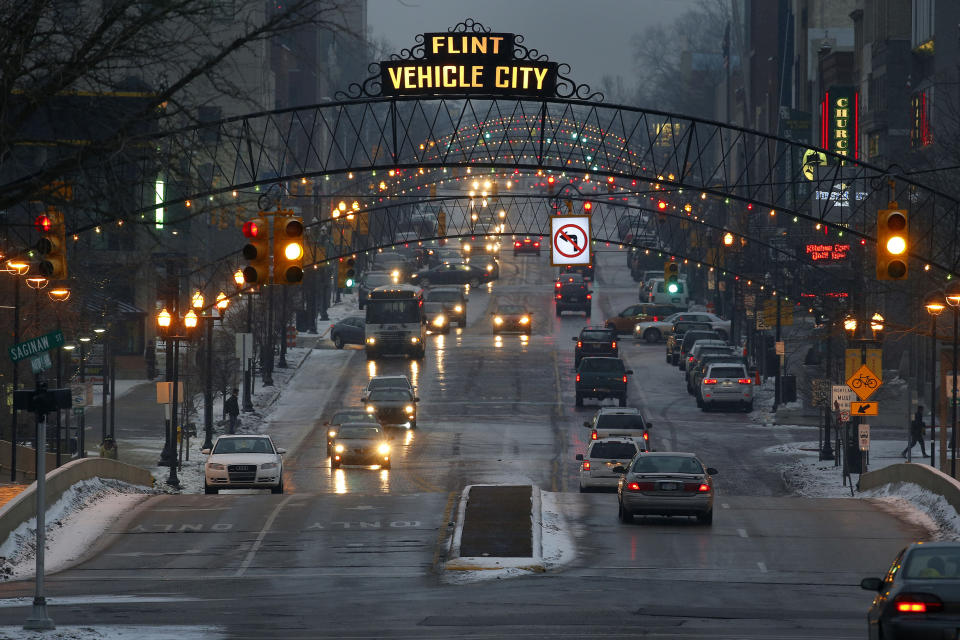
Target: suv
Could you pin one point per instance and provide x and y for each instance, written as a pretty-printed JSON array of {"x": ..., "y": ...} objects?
[
  {"x": 451, "y": 301},
  {"x": 675, "y": 339},
  {"x": 626, "y": 320},
  {"x": 700, "y": 349},
  {"x": 595, "y": 342},
  {"x": 572, "y": 294},
  {"x": 587, "y": 271},
  {"x": 691, "y": 338},
  {"x": 620, "y": 422},
  {"x": 601, "y": 378},
  {"x": 596, "y": 467},
  {"x": 693, "y": 386},
  {"x": 726, "y": 383}
]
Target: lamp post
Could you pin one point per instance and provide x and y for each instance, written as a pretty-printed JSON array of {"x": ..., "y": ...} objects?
[
  {"x": 934, "y": 307},
  {"x": 176, "y": 329},
  {"x": 221, "y": 306},
  {"x": 59, "y": 294},
  {"x": 17, "y": 268},
  {"x": 247, "y": 399},
  {"x": 952, "y": 296}
]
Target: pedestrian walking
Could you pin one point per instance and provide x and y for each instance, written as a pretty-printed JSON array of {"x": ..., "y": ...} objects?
[
  {"x": 108, "y": 448},
  {"x": 232, "y": 408},
  {"x": 916, "y": 433}
]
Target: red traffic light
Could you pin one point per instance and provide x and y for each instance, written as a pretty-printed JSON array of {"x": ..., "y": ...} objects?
[
  {"x": 550, "y": 180},
  {"x": 251, "y": 229},
  {"x": 610, "y": 179},
  {"x": 43, "y": 223}
]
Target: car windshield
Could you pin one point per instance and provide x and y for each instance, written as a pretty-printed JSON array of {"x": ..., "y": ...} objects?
[
  {"x": 933, "y": 563},
  {"x": 357, "y": 415},
  {"x": 397, "y": 395},
  {"x": 619, "y": 421},
  {"x": 388, "y": 311},
  {"x": 511, "y": 310},
  {"x": 667, "y": 464},
  {"x": 377, "y": 279},
  {"x": 612, "y": 450},
  {"x": 601, "y": 364},
  {"x": 596, "y": 336},
  {"x": 347, "y": 433},
  {"x": 243, "y": 445},
  {"x": 388, "y": 383},
  {"x": 713, "y": 350},
  {"x": 727, "y": 372},
  {"x": 443, "y": 296}
]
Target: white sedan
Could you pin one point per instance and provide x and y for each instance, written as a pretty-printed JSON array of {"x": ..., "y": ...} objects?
[
  {"x": 243, "y": 462},
  {"x": 657, "y": 331}
]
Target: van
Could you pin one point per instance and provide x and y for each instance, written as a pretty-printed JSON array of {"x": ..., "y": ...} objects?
[{"x": 658, "y": 294}]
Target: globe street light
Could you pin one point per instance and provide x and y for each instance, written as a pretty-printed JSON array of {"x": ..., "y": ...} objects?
[
  {"x": 952, "y": 296},
  {"x": 176, "y": 329},
  {"x": 934, "y": 306}
]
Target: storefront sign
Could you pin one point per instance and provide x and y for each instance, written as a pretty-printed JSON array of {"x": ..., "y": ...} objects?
[
  {"x": 839, "y": 123},
  {"x": 822, "y": 253}
]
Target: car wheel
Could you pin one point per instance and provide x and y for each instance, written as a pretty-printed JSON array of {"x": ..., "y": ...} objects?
[
  {"x": 625, "y": 516},
  {"x": 460, "y": 323},
  {"x": 583, "y": 489},
  {"x": 586, "y": 314},
  {"x": 579, "y": 400},
  {"x": 706, "y": 408},
  {"x": 338, "y": 341},
  {"x": 623, "y": 401},
  {"x": 558, "y": 315},
  {"x": 446, "y": 330},
  {"x": 359, "y": 304},
  {"x": 413, "y": 424},
  {"x": 333, "y": 464},
  {"x": 208, "y": 489},
  {"x": 474, "y": 282},
  {"x": 705, "y": 518},
  {"x": 699, "y": 401},
  {"x": 748, "y": 407},
  {"x": 385, "y": 465},
  {"x": 278, "y": 488},
  {"x": 651, "y": 335}
]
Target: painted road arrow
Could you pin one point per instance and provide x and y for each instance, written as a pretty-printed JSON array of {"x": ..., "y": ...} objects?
[{"x": 864, "y": 408}]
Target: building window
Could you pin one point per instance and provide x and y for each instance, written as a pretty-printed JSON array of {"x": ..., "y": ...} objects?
[
  {"x": 921, "y": 37},
  {"x": 873, "y": 145},
  {"x": 921, "y": 107}
]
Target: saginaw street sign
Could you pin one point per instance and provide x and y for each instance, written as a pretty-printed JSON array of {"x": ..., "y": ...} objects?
[{"x": 468, "y": 63}]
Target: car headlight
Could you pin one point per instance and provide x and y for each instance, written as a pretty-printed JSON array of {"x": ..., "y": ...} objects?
[
  {"x": 466, "y": 248},
  {"x": 489, "y": 267},
  {"x": 498, "y": 320},
  {"x": 489, "y": 247},
  {"x": 216, "y": 466},
  {"x": 371, "y": 408},
  {"x": 439, "y": 321},
  {"x": 338, "y": 448},
  {"x": 383, "y": 449},
  {"x": 414, "y": 339},
  {"x": 524, "y": 320},
  {"x": 408, "y": 408},
  {"x": 268, "y": 466},
  {"x": 395, "y": 273},
  {"x": 458, "y": 308},
  {"x": 332, "y": 433},
  {"x": 371, "y": 340}
]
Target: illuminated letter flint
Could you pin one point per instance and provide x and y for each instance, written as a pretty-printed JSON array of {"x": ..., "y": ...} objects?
[{"x": 437, "y": 43}]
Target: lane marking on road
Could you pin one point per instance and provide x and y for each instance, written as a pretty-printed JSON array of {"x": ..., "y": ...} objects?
[
  {"x": 762, "y": 566},
  {"x": 742, "y": 533},
  {"x": 722, "y": 504},
  {"x": 263, "y": 533}
]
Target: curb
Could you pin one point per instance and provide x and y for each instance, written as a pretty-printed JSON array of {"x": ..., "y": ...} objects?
[{"x": 533, "y": 563}]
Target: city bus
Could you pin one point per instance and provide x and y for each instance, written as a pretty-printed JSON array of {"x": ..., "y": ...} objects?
[{"x": 396, "y": 323}]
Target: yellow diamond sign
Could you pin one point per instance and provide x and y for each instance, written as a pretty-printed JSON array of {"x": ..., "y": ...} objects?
[{"x": 864, "y": 382}]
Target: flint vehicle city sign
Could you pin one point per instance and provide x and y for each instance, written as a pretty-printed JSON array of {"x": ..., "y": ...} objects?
[{"x": 468, "y": 63}]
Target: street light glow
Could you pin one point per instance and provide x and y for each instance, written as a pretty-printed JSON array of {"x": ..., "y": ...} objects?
[
  {"x": 190, "y": 320},
  {"x": 163, "y": 320}
]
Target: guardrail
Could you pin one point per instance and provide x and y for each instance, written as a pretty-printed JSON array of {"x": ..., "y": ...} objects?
[
  {"x": 23, "y": 507},
  {"x": 918, "y": 474}
]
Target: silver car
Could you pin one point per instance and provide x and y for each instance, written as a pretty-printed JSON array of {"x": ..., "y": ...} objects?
[
  {"x": 725, "y": 383},
  {"x": 661, "y": 483},
  {"x": 360, "y": 443},
  {"x": 602, "y": 457},
  {"x": 243, "y": 462}
]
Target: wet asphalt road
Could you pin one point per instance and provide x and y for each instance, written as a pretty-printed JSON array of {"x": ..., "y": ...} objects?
[{"x": 357, "y": 552}]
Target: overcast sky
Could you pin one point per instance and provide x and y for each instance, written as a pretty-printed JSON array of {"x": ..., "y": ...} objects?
[{"x": 592, "y": 36}]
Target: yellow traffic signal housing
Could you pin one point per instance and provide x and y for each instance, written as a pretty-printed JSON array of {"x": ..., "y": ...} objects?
[
  {"x": 52, "y": 245},
  {"x": 893, "y": 244},
  {"x": 346, "y": 273},
  {"x": 256, "y": 251},
  {"x": 287, "y": 249},
  {"x": 442, "y": 222},
  {"x": 671, "y": 276}
]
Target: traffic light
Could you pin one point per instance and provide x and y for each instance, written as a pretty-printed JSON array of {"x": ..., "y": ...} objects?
[
  {"x": 346, "y": 274},
  {"x": 256, "y": 251},
  {"x": 671, "y": 276},
  {"x": 892, "y": 244},
  {"x": 287, "y": 249},
  {"x": 52, "y": 245},
  {"x": 550, "y": 182}
]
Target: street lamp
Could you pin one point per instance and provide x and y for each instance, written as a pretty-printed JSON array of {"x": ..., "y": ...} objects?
[
  {"x": 17, "y": 267},
  {"x": 934, "y": 307},
  {"x": 221, "y": 306},
  {"x": 952, "y": 296},
  {"x": 176, "y": 329}
]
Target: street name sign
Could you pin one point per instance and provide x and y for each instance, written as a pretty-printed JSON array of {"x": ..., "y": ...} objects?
[
  {"x": 41, "y": 362},
  {"x": 864, "y": 408},
  {"x": 36, "y": 346},
  {"x": 864, "y": 382}
]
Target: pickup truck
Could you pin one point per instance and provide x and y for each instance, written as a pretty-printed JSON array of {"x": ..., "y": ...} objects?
[
  {"x": 571, "y": 294},
  {"x": 602, "y": 378},
  {"x": 594, "y": 342}
]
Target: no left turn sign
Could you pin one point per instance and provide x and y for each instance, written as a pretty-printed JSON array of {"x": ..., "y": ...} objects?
[{"x": 570, "y": 240}]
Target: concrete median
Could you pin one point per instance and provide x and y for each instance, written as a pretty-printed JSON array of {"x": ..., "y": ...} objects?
[{"x": 919, "y": 474}]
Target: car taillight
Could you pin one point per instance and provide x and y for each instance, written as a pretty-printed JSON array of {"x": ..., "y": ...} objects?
[
  {"x": 689, "y": 359},
  {"x": 593, "y": 434},
  {"x": 624, "y": 379},
  {"x": 640, "y": 486},
  {"x": 589, "y": 297},
  {"x": 709, "y": 381},
  {"x": 745, "y": 381},
  {"x": 558, "y": 286},
  {"x": 613, "y": 345},
  {"x": 516, "y": 244},
  {"x": 559, "y": 296},
  {"x": 703, "y": 488},
  {"x": 579, "y": 344},
  {"x": 586, "y": 465},
  {"x": 917, "y": 603},
  {"x": 655, "y": 319},
  {"x": 578, "y": 377},
  {"x": 646, "y": 436},
  {"x": 536, "y": 245}
]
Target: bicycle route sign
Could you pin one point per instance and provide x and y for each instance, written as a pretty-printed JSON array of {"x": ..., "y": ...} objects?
[{"x": 864, "y": 382}]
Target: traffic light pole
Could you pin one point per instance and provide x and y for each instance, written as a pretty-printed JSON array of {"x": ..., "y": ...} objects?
[
  {"x": 248, "y": 365},
  {"x": 39, "y": 620},
  {"x": 16, "y": 369},
  {"x": 283, "y": 329},
  {"x": 266, "y": 359}
]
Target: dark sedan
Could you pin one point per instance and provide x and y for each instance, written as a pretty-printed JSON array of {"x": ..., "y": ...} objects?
[
  {"x": 526, "y": 245},
  {"x": 919, "y": 597},
  {"x": 459, "y": 274},
  {"x": 348, "y": 331}
]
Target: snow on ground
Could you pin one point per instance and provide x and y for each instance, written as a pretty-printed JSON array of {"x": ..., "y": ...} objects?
[{"x": 111, "y": 632}]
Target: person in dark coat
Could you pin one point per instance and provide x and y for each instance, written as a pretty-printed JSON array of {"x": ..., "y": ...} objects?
[
  {"x": 916, "y": 433},
  {"x": 232, "y": 408}
]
